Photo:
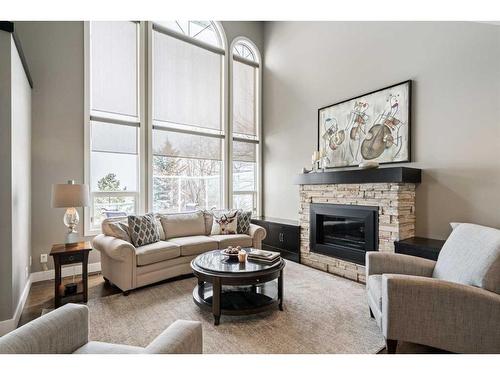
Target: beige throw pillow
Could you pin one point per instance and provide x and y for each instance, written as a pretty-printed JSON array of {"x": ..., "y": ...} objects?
[
  {"x": 209, "y": 219},
  {"x": 161, "y": 232},
  {"x": 225, "y": 222},
  {"x": 116, "y": 227}
]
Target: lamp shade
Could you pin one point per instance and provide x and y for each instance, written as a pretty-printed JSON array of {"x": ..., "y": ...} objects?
[{"x": 70, "y": 195}]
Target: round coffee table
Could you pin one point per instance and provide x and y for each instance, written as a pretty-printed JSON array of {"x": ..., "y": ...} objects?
[{"x": 228, "y": 287}]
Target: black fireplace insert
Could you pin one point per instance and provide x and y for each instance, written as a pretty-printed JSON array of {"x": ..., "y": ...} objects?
[{"x": 343, "y": 231}]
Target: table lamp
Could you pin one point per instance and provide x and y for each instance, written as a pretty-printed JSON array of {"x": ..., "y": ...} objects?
[{"x": 69, "y": 196}]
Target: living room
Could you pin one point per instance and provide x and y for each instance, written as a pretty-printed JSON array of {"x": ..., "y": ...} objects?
[{"x": 274, "y": 185}]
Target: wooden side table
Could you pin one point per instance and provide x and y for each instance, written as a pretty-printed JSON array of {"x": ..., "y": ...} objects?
[
  {"x": 420, "y": 247},
  {"x": 70, "y": 254}
]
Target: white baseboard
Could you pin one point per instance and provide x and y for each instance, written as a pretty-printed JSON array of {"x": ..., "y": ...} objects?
[
  {"x": 11, "y": 324},
  {"x": 66, "y": 271}
]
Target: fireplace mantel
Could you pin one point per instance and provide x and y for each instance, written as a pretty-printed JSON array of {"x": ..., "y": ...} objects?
[{"x": 361, "y": 176}]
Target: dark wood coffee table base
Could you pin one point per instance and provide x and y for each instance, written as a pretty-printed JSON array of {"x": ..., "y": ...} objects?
[
  {"x": 239, "y": 294},
  {"x": 239, "y": 301}
]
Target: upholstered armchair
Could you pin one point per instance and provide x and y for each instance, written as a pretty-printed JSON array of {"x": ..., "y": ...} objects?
[
  {"x": 65, "y": 331},
  {"x": 452, "y": 304}
]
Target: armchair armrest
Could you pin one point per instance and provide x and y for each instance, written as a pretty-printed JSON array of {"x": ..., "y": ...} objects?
[
  {"x": 61, "y": 331},
  {"x": 378, "y": 263},
  {"x": 113, "y": 247},
  {"x": 455, "y": 317},
  {"x": 181, "y": 337}
]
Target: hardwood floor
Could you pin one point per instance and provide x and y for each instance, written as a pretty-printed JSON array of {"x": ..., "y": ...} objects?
[{"x": 41, "y": 296}]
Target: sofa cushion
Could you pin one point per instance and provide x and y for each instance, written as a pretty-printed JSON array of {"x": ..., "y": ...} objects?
[
  {"x": 164, "y": 265},
  {"x": 183, "y": 224},
  {"x": 225, "y": 240},
  {"x": 97, "y": 347},
  {"x": 374, "y": 288},
  {"x": 471, "y": 256},
  {"x": 143, "y": 229},
  {"x": 195, "y": 244},
  {"x": 116, "y": 227},
  {"x": 157, "y": 252}
]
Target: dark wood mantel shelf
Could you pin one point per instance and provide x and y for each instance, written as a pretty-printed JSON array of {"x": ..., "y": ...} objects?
[{"x": 361, "y": 176}]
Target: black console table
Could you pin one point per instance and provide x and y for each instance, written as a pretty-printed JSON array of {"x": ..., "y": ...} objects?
[
  {"x": 282, "y": 236},
  {"x": 420, "y": 247}
]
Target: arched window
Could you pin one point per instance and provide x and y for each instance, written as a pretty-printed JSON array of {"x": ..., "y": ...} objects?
[
  {"x": 244, "y": 50},
  {"x": 245, "y": 125},
  {"x": 206, "y": 31},
  {"x": 188, "y": 119}
]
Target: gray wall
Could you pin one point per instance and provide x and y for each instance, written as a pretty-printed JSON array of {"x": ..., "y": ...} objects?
[
  {"x": 21, "y": 177},
  {"x": 54, "y": 51},
  {"x": 56, "y": 58},
  {"x": 253, "y": 30},
  {"x": 456, "y": 107},
  {"x": 5, "y": 179},
  {"x": 15, "y": 172}
]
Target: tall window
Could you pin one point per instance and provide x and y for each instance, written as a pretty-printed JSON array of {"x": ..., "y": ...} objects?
[
  {"x": 245, "y": 126},
  {"x": 114, "y": 119},
  {"x": 158, "y": 133},
  {"x": 188, "y": 116}
]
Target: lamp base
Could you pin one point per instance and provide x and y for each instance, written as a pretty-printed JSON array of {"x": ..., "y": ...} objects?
[{"x": 71, "y": 237}]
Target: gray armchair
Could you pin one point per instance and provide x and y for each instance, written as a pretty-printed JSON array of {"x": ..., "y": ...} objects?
[
  {"x": 65, "y": 331},
  {"x": 452, "y": 304}
]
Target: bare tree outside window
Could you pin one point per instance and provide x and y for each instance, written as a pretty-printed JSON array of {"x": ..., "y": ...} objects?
[{"x": 182, "y": 183}]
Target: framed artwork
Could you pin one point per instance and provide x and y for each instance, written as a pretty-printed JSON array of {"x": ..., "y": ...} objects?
[{"x": 374, "y": 126}]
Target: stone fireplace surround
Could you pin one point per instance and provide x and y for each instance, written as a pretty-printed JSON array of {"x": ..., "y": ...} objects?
[{"x": 395, "y": 199}]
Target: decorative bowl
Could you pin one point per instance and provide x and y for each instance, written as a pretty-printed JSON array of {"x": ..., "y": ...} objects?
[{"x": 223, "y": 252}]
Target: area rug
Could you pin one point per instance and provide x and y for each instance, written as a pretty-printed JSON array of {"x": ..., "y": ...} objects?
[{"x": 322, "y": 314}]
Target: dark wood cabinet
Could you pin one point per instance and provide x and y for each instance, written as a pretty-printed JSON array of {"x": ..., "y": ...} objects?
[
  {"x": 283, "y": 236},
  {"x": 420, "y": 247}
]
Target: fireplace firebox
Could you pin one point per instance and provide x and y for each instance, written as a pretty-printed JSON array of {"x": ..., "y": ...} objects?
[{"x": 343, "y": 231}]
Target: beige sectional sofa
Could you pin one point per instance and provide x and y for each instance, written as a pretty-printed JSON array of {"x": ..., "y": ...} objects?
[{"x": 183, "y": 236}]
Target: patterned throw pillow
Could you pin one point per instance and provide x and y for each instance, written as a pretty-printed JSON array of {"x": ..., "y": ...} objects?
[
  {"x": 225, "y": 222},
  {"x": 244, "y": 222},
  {"x": 143, "y": 229}
]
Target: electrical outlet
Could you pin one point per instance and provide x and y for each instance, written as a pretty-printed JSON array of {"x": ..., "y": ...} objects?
[{"x": 43, "y": 258}]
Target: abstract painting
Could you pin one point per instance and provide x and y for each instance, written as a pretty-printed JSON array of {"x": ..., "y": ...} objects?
[{"x": 373, "y": 126}]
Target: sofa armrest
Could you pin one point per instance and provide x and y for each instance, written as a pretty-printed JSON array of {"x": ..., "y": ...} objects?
[
  {"x": 257, "y": 232},
  {"x": 113, "y": 247},
  {"x": 61, "y": 331},
  {"x": 378, "y": 263},
  {"x": 455, "y": 317},
  {"x": 181, "y": 337}
]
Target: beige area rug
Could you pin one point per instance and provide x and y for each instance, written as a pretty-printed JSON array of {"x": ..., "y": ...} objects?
[{"x": 322, "y": 314}]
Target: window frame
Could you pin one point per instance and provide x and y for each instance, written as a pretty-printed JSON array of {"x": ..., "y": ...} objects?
[
  {"x": 118, "y": 119},
  {"x": 223, "y": 51},
  {"x": 258, "y": 121},
  {"x": 144, "y": 121}
]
